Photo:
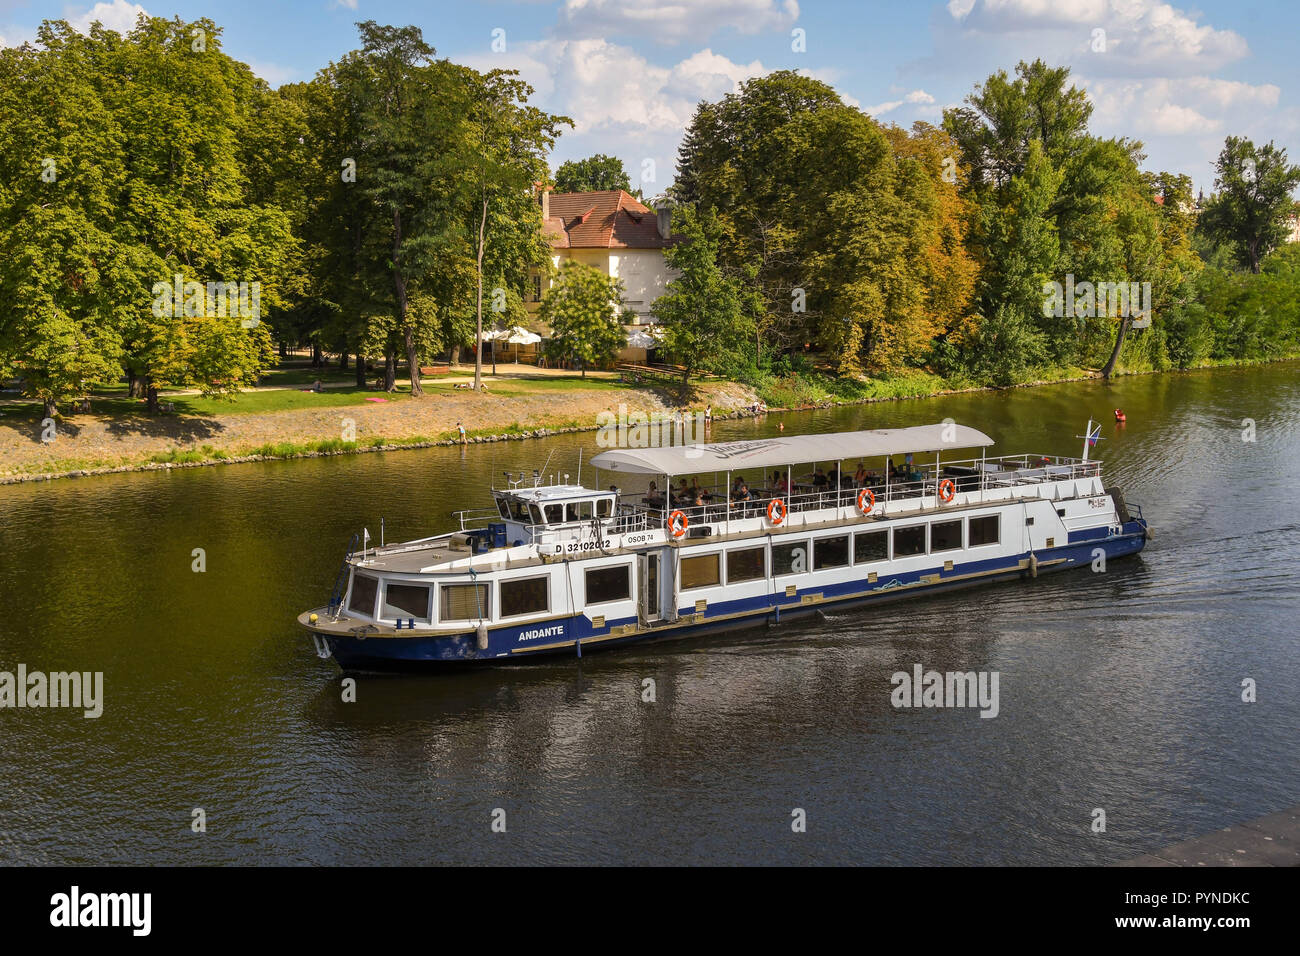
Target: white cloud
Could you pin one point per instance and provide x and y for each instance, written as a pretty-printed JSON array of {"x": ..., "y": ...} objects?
[
  {"x": 1118, "y": 37},
  {"x": 16, "y": 36},
  {"x": 915, "y": 97},
  {"x": 621, "y": 103},
  {"x": 118, "y": 15},
  {"x": 1188, "y": 106},
  {"x": 672, "y": 21},
  {"x": 273, "y": 73}
]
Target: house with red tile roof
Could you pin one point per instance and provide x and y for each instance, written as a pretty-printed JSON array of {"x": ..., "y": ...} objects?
[{"x": 616, "y": 234}]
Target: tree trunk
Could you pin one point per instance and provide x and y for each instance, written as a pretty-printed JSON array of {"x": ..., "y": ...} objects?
[
  {"x": 134, "y": 385},
  {"x": 284, "y": 349},
  {"x": 1119, "y": 343},
  {"x": 455, "y": 355},
  {"x": 343, "y": 360},
  {"x": 361, "y": 370},
  {"x": 413, "y": 360},
  {"x": 403, "y": 317},
  {"x": 51, "y": 408},
  {"x": 317, "y": 357},
  {"x": 390, "y": 370},
  {"x": 151, "y": 393},
  {"x": 478, "y": 337}
]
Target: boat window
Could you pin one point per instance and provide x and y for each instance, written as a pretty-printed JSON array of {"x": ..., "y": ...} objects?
[
  {"x": 830, "y": 552},
  {"x": 945, "y": 535},
  {"x": 554, "y": 514},
  {"x": 364, "y": 590},
  {"x": 870, "y": 546},
  {"x": 536, "y": 514},
  {"x": 746, "y": 564},
  {"x": 525, "y": 596},
  {"x": 700, "y": 571},
  {"x": 522, "y": 514},
  {"x": 984, "y": 530},
  {"x": 463, "y": 602},
  {"x": 910, "y": 540},
  {"x": 790, "y": 558},
  {"x": 578, "y": 511},
  {"x": 503, "y": 507},
  {"x": 604, "y": 507},
  {"x": 608, "y": 584},
  {"x": 406, "y": 601}
]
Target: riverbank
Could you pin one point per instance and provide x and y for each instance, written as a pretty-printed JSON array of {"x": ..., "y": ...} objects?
[
  {"x": 95, "y": 444},
  {"x": 515, "y": 409}
]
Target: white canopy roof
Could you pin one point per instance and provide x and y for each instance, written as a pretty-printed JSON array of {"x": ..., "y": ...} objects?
[{"x": 789, "y": 450}]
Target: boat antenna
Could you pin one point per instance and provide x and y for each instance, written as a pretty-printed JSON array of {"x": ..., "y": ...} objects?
[
  {"x": 579, "y": 465},
  {"x": 536, "y": 479}
]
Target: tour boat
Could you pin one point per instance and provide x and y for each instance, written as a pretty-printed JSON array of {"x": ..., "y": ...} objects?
[{"x": 559, "y": 568}]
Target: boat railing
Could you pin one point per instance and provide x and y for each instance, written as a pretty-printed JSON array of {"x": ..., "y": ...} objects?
[
  {"x": 475, "y": 519},
  {"x": 967, "y": 475}
]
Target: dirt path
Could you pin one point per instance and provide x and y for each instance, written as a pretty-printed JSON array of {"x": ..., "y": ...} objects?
[{"x": 92, "y": 443}]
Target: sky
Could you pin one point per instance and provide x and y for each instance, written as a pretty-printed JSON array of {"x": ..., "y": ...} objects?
[{"x": 630, "y": 72}]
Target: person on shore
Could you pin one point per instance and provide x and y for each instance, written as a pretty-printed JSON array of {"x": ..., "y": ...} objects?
[{"x": 464, "y": 436}]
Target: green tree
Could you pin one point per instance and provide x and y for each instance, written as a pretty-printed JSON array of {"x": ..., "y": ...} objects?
[
  {"x": 582, "y": 308},
  {"x": 599, "y": 173},
  {"x": 1254, "y": 199},
  {"x": 707, "y": 316}
]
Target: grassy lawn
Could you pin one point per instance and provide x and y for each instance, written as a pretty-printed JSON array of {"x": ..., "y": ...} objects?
[
  {"x": 541, "y": 385},
  {"x": 114, "y": 403}
]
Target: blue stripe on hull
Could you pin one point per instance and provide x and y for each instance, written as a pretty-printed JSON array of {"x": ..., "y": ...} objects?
[{"x": 407, "y": 653}]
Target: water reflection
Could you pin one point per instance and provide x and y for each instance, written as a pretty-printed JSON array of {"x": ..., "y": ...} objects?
[{"x": 1119, "y": 690}]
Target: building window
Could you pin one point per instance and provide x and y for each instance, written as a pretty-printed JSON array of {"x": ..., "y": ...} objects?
[
  {"x": 700, "y": 571},
  {"x": 537, "y": 288},
  {"x": 525, "y": 596},
  {"x": 463, "y": 602},
  {"x": 830, "y": 552},
  {"x": 870, "y": 546},
  {"x": 945, "y": 536},
  {"x": 790, "y": 558},
  {"x": 406, "y": 601},
  {"x": 908, "y": 541},
  {"x": 608, "y": 584},
  {"x": 984, "y": 530},
  {"x": 745, "y": 565},
  {"x": 364, "y": 591}
]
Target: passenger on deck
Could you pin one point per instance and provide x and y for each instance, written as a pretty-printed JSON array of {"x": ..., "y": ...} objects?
[
  {"x": 699, "y": 492},
  {"x": 742, "y": 492},
  {"x": 820, "y": 481},
  {"x": 780, "y": 483},
  {"x": 860, "y": 476},
  {"x": 683, "y": 494},
  {"x": 653, "y": 496}
]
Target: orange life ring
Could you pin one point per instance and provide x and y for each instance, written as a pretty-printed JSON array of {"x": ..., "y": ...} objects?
[
  {"x": 871, "y": 499},
  {"x": 776, "y": 511},
  {"x": 947, "y": 490},
  {"x": 673, "y": 526}
]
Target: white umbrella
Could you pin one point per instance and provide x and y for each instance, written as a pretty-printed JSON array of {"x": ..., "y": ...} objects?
[
  {"x": 645, "y": 338},
  {"x": 520, "y": 336}
]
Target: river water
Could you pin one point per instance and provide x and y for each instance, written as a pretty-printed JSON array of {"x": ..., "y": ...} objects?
[{"x": 1119, "y": 691}]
